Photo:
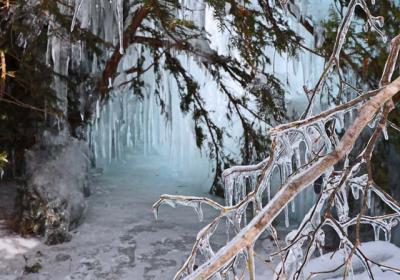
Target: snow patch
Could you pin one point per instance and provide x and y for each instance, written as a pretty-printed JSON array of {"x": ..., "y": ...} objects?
[{"x": 379, "y": 251}]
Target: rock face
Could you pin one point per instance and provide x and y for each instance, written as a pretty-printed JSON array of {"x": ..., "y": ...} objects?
[{"x": 53, "y": 198}]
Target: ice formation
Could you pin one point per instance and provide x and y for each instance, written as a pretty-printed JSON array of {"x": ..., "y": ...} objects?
[{"x": 127, "y": 120}]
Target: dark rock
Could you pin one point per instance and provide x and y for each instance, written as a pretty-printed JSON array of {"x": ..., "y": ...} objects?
[
  {"x": 33, "y": 268},
  {"x": 53, "y": 198},
  {"x": 129, "y": 252},
  {"x": 62, "y": 257}
]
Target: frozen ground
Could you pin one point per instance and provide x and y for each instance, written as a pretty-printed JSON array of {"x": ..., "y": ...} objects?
[{"x": 119, "y": 238}]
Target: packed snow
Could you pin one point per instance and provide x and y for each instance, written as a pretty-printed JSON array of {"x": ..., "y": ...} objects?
[{"x": 118, "y": 237}]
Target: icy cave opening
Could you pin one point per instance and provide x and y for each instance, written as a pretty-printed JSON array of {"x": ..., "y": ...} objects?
[{"x": 154, "y": 124}]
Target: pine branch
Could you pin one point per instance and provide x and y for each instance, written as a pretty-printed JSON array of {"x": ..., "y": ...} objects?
[{"x": 110, "y": 70}]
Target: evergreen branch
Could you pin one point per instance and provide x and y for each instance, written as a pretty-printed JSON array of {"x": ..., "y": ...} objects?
[
  {"x": 110, "y": 68},
  {"x": 12, "y": 100}
]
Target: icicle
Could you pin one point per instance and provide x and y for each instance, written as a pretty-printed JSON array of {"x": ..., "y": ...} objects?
[
  {"x": 387, "y": 235},
  {"x": 373, "y": 122},
  {"x": 321, "y": 238},
  {"x": 369, "y": 194},
  {"x": 295, "y": 66},
  {"x": 287, "y": 146},
  {"x": 238, "y": 189},
  {"x": 355, "y": 191},
  {"x": 97, "y": 115},
  {"x": 309, "y": 145},
  {"x": 319, "y": 36},
  {"x": 94, "y": 63},
  {"x": 95, "y": 152},
  {"x": 115, "y": 139},
  {"x": 385, "y": 132},
  {"x": 155, "y": 213},
  {"x": 325, "y": 137},
  {"x": 287, "y": 217},
  {"x": 110, "y": 131},
  {"x": 171, "y": 203},
  {"x": 199, "y": 211},
  {"x": 228, "y": 188},
  {"x": 340, "y": 118},
  {"x": 351, "y": 272},
  {"x": 120, "y": 25},
  {"x": 393, "y": 222},
  {"x": 77, "y": 8},
  {"x": 376, "y": 232},
  {"x": 297, "y": 157},
  {"x": 366, "y": 27}
]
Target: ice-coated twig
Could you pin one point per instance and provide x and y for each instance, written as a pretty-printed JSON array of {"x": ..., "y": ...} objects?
[
  {"x": 233, "y": 215},
  {"x": 343, "y": 108},
  {"x": 340, "y": 39},
  {"x": 191, "y": 201}
]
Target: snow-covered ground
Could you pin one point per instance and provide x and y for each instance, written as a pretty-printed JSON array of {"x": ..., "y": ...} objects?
[
  {"x": 381, "y": 252},
  {"x": 120, "y": 239}
]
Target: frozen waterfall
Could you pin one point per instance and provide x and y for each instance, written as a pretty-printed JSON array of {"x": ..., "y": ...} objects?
[{"x": 127, "y": 120}]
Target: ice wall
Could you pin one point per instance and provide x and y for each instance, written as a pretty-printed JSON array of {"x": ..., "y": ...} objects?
[{"x": 128, "y": 121}]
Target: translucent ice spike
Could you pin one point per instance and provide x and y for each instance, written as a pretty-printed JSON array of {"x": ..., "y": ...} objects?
[
  {"x": 120, "y": 19},
  {"x": 77, "y": 8}
]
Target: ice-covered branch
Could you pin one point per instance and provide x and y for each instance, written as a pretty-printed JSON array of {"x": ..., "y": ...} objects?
[
  {"x": 191, "y": 201},
  {"x": 251, "y": 232},
  {"x": 374, "y": 22},
  {"x": 340, "y": 109},
  {"x": 323, "y": 150}
]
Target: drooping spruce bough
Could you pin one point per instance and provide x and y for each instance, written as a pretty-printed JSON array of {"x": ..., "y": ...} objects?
[{"x": 328, "y": 156}]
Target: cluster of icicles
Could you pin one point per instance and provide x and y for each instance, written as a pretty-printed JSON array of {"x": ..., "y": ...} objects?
[
  {"x": 114, "y": 128},
  {"x": 295, "y": 147},
  {"x": 100, "y": 15}
]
